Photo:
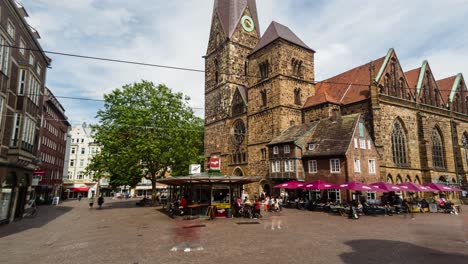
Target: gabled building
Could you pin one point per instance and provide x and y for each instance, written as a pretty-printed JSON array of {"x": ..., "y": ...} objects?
[
  {"x": 335, "y": 149},
  {"x": 82, "y": 149},
  {"x": 23, "y": 68}
]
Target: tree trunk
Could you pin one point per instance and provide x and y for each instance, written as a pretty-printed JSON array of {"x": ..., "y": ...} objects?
[{"x": 153, "y": 190}]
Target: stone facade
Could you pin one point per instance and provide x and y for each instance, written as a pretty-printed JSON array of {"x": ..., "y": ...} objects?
[{"x": 274, "y": 77}]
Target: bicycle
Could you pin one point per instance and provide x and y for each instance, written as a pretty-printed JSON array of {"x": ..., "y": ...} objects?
[{"x": 31, "y": 210}]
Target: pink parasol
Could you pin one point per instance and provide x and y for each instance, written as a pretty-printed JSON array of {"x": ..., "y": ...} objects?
[
  {"x": 358, "y": 186},
  {"x": 319, "y": 185},
  {"x": 413, "y": 187},
  {"x": 385, "y": 187},
  {"x": 290, "y": 185},
  {"x": 441, "y": 188}
]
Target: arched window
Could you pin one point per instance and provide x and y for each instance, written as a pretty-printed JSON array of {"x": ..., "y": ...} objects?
[
  {"x": 297, "y": 96},
  {"x": 263, "y": 94},
  {"x": 465, "y": 146},
  {"x": 216, "y": 71},
  {"x": 417, "y": 180},
  {"x": 393, "y": 79},
  {"x": 238, "y": 172},
  {"x": 238, "y": 105},
  {"x": 399, "y": 144},
  {"x": 399, "y": 180},
  {"x": 436, "y": 98},
  {"x": 437, "y": 149},
  {"x": 386, "y": 88},
  {"x": 408, "y": 178},
  {"x": 238, "y": 133},
  {"x": 390, "y": 179},
  {"x": 401, "y": 88}
]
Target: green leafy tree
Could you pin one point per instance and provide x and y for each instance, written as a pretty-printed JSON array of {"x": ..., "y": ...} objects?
[{"x": 145, "y": 131}]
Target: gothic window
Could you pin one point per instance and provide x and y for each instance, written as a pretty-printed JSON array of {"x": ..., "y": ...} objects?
[
  {"x": 296, "y": 66},
  {"x": 465, "y": 146},
  {"x": 399, "y": 144},
  {"x": 437, "y": 149},
  {"x": 297, "y": 96},
  {"x": 263, "y": 93},
  {"x": 238, "y": 105},
  {"x": 456, "y": 102},
  {"x": 386, "y": 88},
  {"x": 436, "y": 98},
  {"x": 401, "y": 88},
  {"x": 216, "y": 71},
  {"x": 264, "y": 69},
  {"x": 238, "y": 133},
  {"x": 393, "y": 83}
]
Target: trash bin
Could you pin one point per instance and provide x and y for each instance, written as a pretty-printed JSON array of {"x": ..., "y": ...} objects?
[{"x": 229, "y": 213}]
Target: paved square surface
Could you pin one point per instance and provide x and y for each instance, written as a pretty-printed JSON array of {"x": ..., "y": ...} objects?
[{"x": 124, "y": 233}]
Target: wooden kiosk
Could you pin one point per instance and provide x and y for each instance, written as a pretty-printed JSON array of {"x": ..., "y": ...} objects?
[{"x": 207, "y": 190}]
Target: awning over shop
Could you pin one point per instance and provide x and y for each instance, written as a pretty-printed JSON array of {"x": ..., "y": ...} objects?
[
  {"x": 80, "y": 189},
  {"x": 206, "y": 178}
]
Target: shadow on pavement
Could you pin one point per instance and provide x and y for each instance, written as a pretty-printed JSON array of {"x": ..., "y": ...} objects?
[
  {"x": 116, "y": 204},
  {"x": 45, "y": 215},
  {"x": 387, "y": 251}
]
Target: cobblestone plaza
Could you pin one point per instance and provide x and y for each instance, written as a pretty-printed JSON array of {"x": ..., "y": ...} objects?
[{"x": 124, "y": 233}]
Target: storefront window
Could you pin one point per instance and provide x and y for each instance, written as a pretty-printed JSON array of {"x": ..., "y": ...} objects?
[
  {"x": 6, "y": 194},
  {"x": 221, "y": 195}
]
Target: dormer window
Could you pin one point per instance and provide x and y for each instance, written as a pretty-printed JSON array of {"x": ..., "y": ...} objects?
[
  {"x": 275, "y": 150},
  {"x": 311, "y": 146},
  {"x": 287, "y": 149}
]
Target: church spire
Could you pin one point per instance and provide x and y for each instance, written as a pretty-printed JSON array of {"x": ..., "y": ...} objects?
[{"x": 230, "y": 13}]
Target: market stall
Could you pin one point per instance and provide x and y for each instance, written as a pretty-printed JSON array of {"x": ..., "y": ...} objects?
[{"x": 204, "y": 190}]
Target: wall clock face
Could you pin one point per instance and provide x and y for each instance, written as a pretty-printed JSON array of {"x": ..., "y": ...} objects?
[{"x": 247, "y": 23}]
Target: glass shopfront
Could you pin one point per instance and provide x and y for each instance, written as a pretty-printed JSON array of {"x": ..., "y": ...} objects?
[{"x": 6, "y": 195}]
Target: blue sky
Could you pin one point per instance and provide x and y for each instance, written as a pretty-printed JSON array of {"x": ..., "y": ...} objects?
[{"x": 344, "y": 34}]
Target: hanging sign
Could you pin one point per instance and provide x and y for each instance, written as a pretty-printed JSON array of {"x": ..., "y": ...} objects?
[{"x": 215, "y": 163}]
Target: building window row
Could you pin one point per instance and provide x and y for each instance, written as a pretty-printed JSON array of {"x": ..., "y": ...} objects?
[
  {"x": 4, "y": 55},
  {"x": 29, "y": 132}
]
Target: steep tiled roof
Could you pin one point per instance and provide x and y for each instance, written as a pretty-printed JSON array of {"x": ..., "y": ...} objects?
[
  {"x": 332, "y": 138},
  {"x": 412, "y": 77},
  {"x": 230, "y": 13},
  {"x": 445, "y": 86},
  {"x": 348, "y": 87},
  {"x": 293, "y": 133},
  {"x": 277, "y": 31}
]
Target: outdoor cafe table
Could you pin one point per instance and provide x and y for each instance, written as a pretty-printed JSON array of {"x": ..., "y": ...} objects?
[{"x": 196, "y": 207}]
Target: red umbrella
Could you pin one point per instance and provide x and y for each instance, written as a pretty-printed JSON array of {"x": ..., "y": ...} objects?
[
  {"x": 290, "y": 185},
  {"x": 441, "y": 187},
  {"x": 385, "y": 186},
  {"x": 358, "y": 186},
  {"x": 319, "y": 185},
  {"x": 413, "y": 187}
]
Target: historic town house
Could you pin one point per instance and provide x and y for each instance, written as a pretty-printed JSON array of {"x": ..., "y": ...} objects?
[{"x": 259, "y": 86}]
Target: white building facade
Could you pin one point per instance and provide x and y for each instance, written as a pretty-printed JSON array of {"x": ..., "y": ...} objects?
[{"x": 82, "y": 149}]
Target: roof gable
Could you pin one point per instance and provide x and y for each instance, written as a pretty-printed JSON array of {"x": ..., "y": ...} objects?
[
  {"x": 293, "y": 133},
  {"x": 348, "y": 87},
  {"x": 446, "y": 86},
  {"x": 277, "y": 31},
  {"x": 230, "y": 13},
  {"x": 332, "y": 138}
]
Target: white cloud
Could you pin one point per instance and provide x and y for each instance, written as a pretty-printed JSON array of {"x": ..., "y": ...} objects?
[{"x": 345, "y": 34}]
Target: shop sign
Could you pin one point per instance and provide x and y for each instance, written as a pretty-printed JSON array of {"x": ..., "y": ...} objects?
[
  {"x": 215, "y": 163},
  {"x": 195, "y": 169},
  {"x": 39, "y": 172}
]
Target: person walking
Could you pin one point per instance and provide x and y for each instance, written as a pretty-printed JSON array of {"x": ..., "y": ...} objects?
[
  {"x": 79, "y": 197},
  {"x": 100, "y": 201},
  {"x": 91, "y": 202}
]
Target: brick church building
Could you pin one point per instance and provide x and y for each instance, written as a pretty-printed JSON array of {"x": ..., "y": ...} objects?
[{"x": 257, "y": 87}]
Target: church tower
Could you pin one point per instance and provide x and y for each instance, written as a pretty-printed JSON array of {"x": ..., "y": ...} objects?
[
  {"x": 234, "y": 34},
  {"x": 281, "y": 67}
]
